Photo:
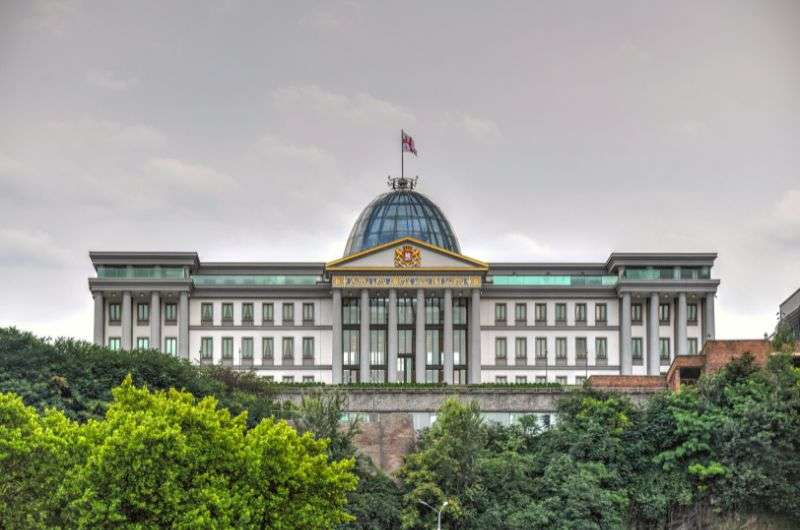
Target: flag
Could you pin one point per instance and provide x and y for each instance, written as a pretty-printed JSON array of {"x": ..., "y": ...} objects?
[{"x": 408, "y": 143}]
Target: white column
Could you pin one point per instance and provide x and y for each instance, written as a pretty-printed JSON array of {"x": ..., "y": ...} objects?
[
  {"x": 127, "y": 325},
  {"x": 625, "y": 357},
  {"x": 708, "y": 317},
  {"x": 183, "y": 325},
  {"x": 682, "y": 347},
  {"x": 336, "y": 338},
  {"x": 155, "y": 321},
  {"x": 474, "y": 364},
  {"x": 419, "y": 337},
  {"x": 391, "y": 361},
  {"x": 447, "y": 343},
  {"x": 653, "y": 357},
  {"x": 99, "y": 319},
  {"x": 364, "y": 359}
]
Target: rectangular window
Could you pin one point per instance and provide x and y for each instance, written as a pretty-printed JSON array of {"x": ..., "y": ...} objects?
[
  {"x": 433, "y": 347},
  {"x": 692, "y": 346},
  {"x": 206, "y": 313},
  {"x": 143, "y": 313},
  {"x": 288, "y": 379},
  {"x": 267, "y": 349},
  {"x": 114, "y": 313},
  {"x": 288, "y": 314},
  {"x": 580, "y": 313},
  {"x": 114, "y": 343},
  {"x": 541, "y": 379},
  {"x": 350, "y": 312},
  {"x": 663, "y": 347},
  {"x": 501, "y": 379},
  {"x": 521, "y": 350},
  {"x": 500, "y": 352},
  {"x": 663, "y": 313},
  {"x": 308, "y": 348},
  {"x": 308, "y": 378},
  {"x": 170, "y": 313},
  {"x": 227, "y": 347},
  {"x": 541, "y": 313},
  {"x": 142, "y": 343},
  {"x": 691, "y": 313},
  {"x": 206, "y": 348},
  {"x": 405, "y": 311},
  {"x": 600, "y": 314},
  {"x": 561, "y": 348},
  {"x": 561, "y": 379},
  {"x": 287, "y": 350},
  {"x": 227, "y": 312},
  {"x": 636, "y": 313},
  {"x": 521, "y": 313},
  {"x": 247, "y": 348},
  {"x": 378, "y": 310},
  {"x": 500, "y": 313},
  {"x": 521, "y": 379},
  {"x": 459, "y": 311},
  {"x": 541, "y": 347},
  {"x": 561, "y": 313},
  {"x": 350, "y": 347},
  {"x": 308, "y": 313},
  {"x": 247, "y": 313},
  {"x": 267, "y": 312},
  {"x": 459, "y": 347},
  {"x": 377, "y": 347},
  {"x": 601, "y": 348},
  {"x": 433, "y": 311},
  {"x": 580, "y": 348},
  {"x": 636, "y": 349},
  {"x": 171, "y": 346}
]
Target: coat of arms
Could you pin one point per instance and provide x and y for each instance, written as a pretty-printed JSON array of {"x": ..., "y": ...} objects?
[{"x": 406, "y": 257}]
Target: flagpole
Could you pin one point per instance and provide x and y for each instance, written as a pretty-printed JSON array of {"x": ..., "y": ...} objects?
[{"x": 402, "y": 153}]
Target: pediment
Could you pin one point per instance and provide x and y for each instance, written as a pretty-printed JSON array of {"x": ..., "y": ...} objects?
[{"x": 407, "y": 254}]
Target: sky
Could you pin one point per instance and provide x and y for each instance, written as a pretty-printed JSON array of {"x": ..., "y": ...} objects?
[{"x": 547, "y": 131}]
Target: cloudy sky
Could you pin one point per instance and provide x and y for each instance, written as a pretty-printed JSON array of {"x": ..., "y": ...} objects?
[{"x": 256, "y": 131}]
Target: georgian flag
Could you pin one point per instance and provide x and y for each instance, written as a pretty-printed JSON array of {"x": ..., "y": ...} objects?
[{"x": 408, "y": 143}]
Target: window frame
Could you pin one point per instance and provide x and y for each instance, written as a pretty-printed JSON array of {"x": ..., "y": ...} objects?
[
  {"x": 500, "y": 313},
  {"x": 601, "y": 313},
  {"x": 267, "y": 312},
  {"x": 580, "y": 307},
  {"x": 170, "y": 313},
  {"x": 521, "y": 313},
  {"x": 287, "y": 314}
]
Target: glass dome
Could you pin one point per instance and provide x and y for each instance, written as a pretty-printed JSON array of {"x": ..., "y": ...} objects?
[{"x": 400, "y": 213}]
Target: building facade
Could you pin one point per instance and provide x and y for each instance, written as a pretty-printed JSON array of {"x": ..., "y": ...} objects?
[
  {"x": 789, "y": 313},
  {"x": 404, "y": 304}
]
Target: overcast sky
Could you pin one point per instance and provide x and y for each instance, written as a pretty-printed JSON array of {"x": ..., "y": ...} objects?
[{"x": 547, "y": 131}]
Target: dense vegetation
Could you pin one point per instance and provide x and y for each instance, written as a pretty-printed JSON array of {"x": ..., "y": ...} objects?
[{"x": 729, "y": 445}]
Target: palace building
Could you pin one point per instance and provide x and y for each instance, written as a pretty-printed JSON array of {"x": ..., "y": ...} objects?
[{"x": 404, "y": 304}]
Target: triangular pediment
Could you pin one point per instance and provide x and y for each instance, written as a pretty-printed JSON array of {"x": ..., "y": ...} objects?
[{"x": 407, "y": 254}]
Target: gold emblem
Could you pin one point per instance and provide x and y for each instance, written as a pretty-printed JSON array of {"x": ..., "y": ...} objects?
[{"x": 407, "y": 257}]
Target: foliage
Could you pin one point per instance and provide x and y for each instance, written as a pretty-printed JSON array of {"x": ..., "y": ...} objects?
[{"x": 160, "y": 460}]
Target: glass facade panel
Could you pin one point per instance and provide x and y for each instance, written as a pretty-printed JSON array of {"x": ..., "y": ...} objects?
[
  {"x": 433, "y": 347},
  {"x": 255, "y": 280},
  {"x": 545, "y": 280},
  {"x": 350, "y": 347},
  {"x": 135, "y": 271}
]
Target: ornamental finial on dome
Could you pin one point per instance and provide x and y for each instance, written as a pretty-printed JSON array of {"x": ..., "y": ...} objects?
[{"x": 402, "y": 183}]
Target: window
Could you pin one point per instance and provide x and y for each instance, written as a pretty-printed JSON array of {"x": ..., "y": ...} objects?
[
  {"x": 521, "y": 313},
  {"x": 350, "y": 347},
  {"x": 171, "y": 345},
  {"x": 170, "y": 313},
  {"x": 267, "y": 312},
  {"x": 521, "y": 350},
  {"x": 500, "y": 352},
  {"x": 206, "y": 348},
  {"x": 114, "y": 343},
  {"x": 308, "y": 378},
  {"x": 691, "y": 313},
  {"x": 308, "y": 313},
  {"x": 521, "y": 379},
  {"x": 288, "y": 313},
  {"x": 459, "y": 311},
  {"x": 227, "y": 312},
  {"x": 350, "y": 312},
  {"x": 267, "y": 349},
  {"x": 541, "y": 378},
  {"x": 459, "y": 347},
  {"x": 580, "y": 380},
  {"x": 142, "y": 343},
  {"x": 114, "y": 312},
  {"x": 500, "y": 313},
  {"x": 636, "y": 313},
  {"x": 143, "y": 313},
  {"x": 308, "y": 348},
  {"x": 561, "y": 379},
  {"x": 405, "y": 311},
  {"x": 541, "y": 347},
  {"x": 663, "y": 313},
  {"x": 287, "y": 349},
  {"x": 378, "y": 310},
  {"x": 227, "y": 347},
  {"x": 580, "y": 313},
  {"x": 692, "y": 346},
  {"x": 288, "y": 379},
  {"x": 206, "y": 313},
  {"x": 501, "y": 379},
  {"x": 541, "y": 313},
  {"x": 663, "y": 348},
  {"x": 601, "y": 349},
  {"x": 561, "y": 313},
  {"x": 247, "y": 348},
  {"x": 636, "y": 349},
  {"x": 433, "y": 347},
  {"x": 561, "y": 348},
  {"x": 580, "y": 348},
  {"x": 247, "y": 313},
  {"x": 600, "y": 313}
]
